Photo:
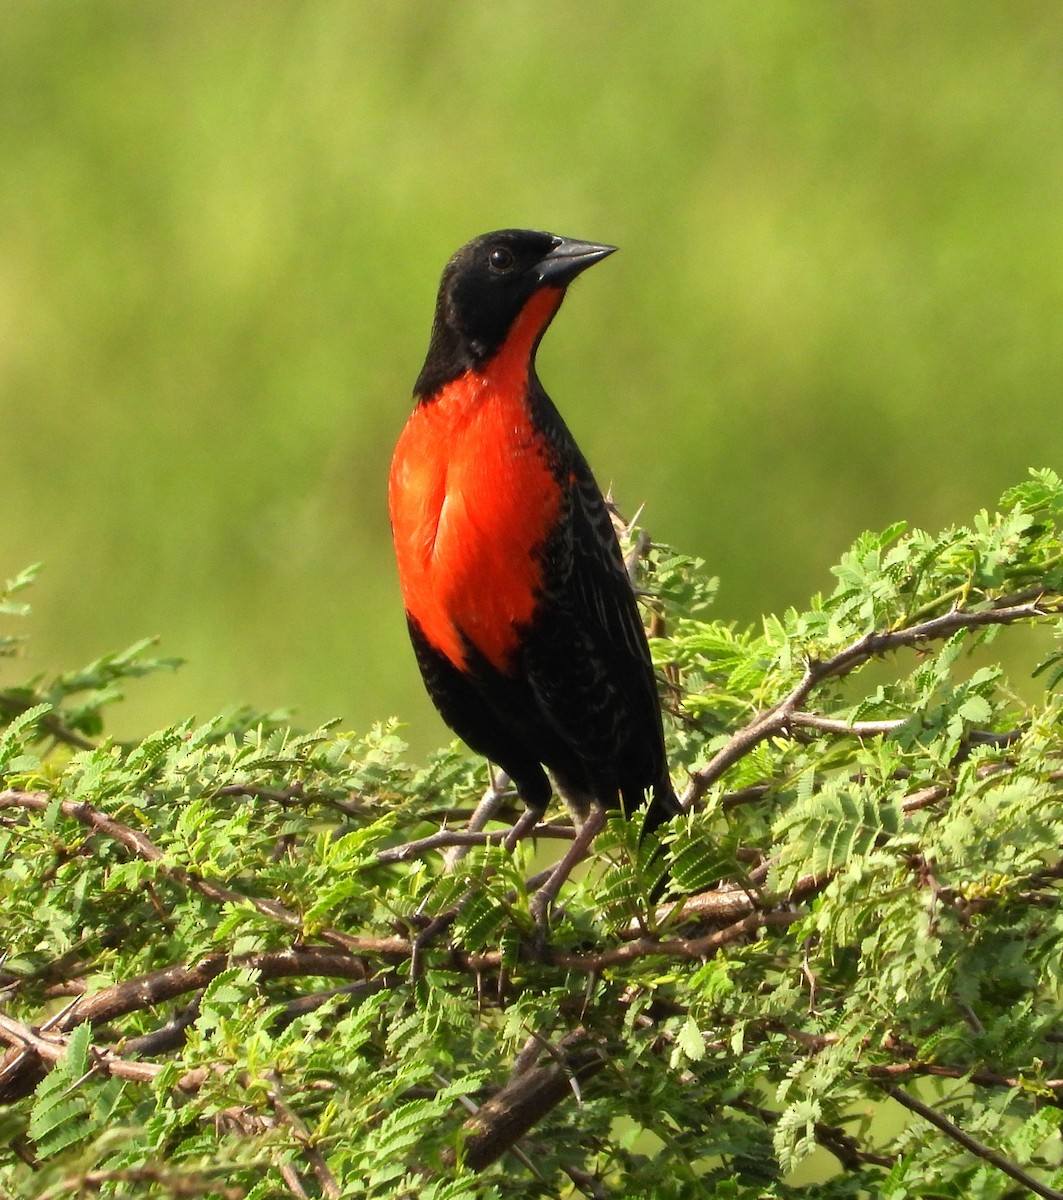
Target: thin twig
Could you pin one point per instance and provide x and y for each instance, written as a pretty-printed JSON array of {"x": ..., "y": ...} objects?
[
  {"x": 778, "y": 719},
  {"x": 143, "y": 847},
  {"x": 464, "y": 838},
  {"x": 979, "y": 1076},
  {"x": 295, "y": 793},
  {"x": 326, "y": 1180},
  {"x": 986, "y": 1153}
]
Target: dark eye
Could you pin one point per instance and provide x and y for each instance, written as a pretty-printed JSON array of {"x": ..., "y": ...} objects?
[{"x": 501, "y": 259}]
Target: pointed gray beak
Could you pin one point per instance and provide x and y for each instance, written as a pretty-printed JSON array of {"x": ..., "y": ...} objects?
[{"x": 568, "y": 258}]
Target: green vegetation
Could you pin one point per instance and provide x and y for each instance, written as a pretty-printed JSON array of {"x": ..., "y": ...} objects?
[
  {"x": 221, "y": 227},
  {"x": 223, "y": 978},
  {"x": 837, "y": 305}
]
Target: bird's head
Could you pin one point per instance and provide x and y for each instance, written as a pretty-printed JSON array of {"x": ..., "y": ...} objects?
[{"x": 486, "y": 288}]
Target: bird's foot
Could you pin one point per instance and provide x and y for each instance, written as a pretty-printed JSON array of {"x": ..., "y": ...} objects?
[
  {"x": 543, "y": 898},
  {"x": 539, "y": 907},
  {"x": 437, "y": 925},
  {"x": 443, "y": 921}
]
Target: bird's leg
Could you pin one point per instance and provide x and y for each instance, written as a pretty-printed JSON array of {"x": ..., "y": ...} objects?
[
  {"x": 485, "y": 810},
  {"x": 585, "y": 835},
  {"x": 497, "y": 786},
  {"x": 524, "y": 824}
]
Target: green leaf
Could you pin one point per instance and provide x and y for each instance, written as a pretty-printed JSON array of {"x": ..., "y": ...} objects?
[{"x": 689, "y": 1040}]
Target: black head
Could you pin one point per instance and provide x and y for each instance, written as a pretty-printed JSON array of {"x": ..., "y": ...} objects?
[{"x": 484, "y": 288}]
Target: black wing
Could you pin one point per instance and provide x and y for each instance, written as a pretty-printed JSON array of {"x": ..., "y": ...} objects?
[{"x": 587, "y": 659}]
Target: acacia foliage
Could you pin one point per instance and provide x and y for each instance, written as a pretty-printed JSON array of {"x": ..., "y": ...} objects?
[{"x": 218, "y": 979}]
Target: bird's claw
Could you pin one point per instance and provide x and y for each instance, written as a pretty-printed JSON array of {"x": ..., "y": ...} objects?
[
  {"x": 539, "y": 907},
  {"x": 428, "y": 935}
]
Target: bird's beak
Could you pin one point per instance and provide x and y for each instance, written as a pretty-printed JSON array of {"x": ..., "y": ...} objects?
[{"x": 568, "y": 258}]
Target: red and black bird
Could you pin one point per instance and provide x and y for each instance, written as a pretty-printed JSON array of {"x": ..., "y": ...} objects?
[{"x": 519, "y": 606}]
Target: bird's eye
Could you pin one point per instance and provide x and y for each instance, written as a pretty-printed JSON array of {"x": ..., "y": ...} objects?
[{"x": 501, "y": 259}]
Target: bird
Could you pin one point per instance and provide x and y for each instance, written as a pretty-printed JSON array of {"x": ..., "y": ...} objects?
[{"x": 519, "y": 606}]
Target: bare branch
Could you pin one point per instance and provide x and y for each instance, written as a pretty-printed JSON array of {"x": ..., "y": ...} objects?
[
  {"x": 528, "y": 1097},
  {"x": 847, "y": 728},
  {"x": 52, "y": 1047},
  {"x": 143, "y": 847},
  {"x": 465, "y": 838},
  {"x": 731, "y": 902},
  {"x": 159, "y": 986},
  {"x": 986, "y": 1153},
  {"x": 780, "y": 718}
]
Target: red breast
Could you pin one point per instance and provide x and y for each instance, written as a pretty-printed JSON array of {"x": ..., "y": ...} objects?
[{"x": 472, "y": 498}]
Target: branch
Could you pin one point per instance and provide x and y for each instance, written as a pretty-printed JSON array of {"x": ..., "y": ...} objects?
[
  {"x": 835, "y": 1140},
  {"x": 498, "y": 786},
  {"x": 986, "y": 1153},
  {"x": 847, "y": 1149},
  {"x": 17, "y": 1074},
  {"x": 295, "y": 793},
  {"x": 18, "y": 1069},
  {"x": 50, "y": 722},
  {"x": 529, "y": 1096},
  {"x": 591, "y": 963},
  {"x": 143, "y": 847},
  {"x": 51, "y": 1047},
  {"x": 91, "y": 1182},
  {"x": 445, "y": 838},
  {"x": 146, "y": 991},
  {"x": 977, "y": 1075},
  {"x": 166, "y": 1037},
  {"x": 734, "y": 901},
  {"x": 780, "y": 718},
  {"x": 326, "y": 1180},
  {"x": 395, "y": 949},
  {"x": 846, "y": 728}
]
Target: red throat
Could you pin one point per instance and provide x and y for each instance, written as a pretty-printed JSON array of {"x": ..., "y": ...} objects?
[{"x": 472, "y": 499}]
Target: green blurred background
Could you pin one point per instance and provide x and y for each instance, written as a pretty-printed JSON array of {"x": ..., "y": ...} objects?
[{"x": 838, "y": 301}]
